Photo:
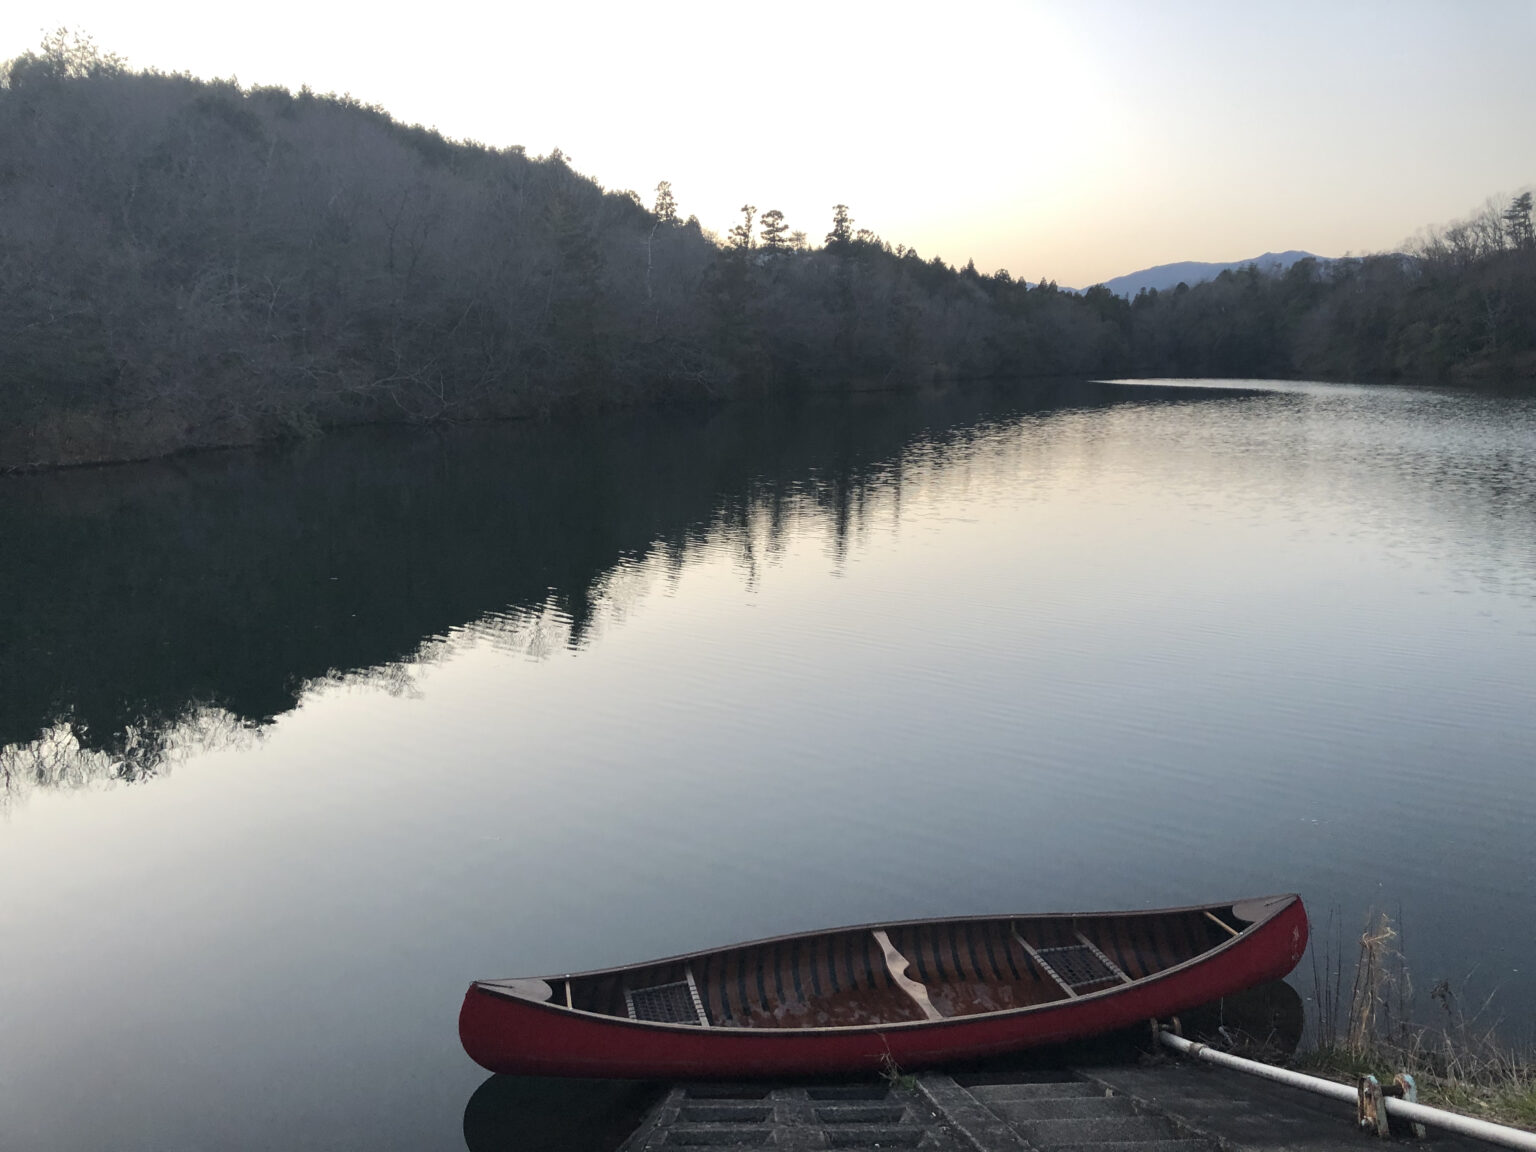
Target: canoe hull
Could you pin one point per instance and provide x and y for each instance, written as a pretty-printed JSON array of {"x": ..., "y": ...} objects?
[{"x": 520, "y": 1036}]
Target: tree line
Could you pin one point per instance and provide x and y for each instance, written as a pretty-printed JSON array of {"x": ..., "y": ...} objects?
[{"x": 187, "y": 263}]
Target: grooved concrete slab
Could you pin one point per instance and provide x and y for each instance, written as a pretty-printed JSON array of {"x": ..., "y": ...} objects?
[
  {"x": 1089, "y": 1129},
  {"x": 1078, "y": 1115},
  {"x": 836, "y": 1116},
  {"x": 930, "y": 1112},
  {"x": 1066, "y": 1108},
  {"x": 1010, "y": 1093},
  {"x": 1161, "y": 1106},
  {"x": 981, "y": 1128}
]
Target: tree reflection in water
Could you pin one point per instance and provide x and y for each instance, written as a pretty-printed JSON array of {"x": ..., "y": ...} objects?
[
  {"x": 155, "y": 607},
  {"x": 60, "y": 759}
]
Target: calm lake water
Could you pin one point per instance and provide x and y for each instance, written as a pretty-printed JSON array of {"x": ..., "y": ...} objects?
[{"x": 298, "y": 742}]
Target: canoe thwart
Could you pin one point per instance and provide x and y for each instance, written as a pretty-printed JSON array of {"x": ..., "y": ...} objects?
[{"x": 1217, "y": 920}]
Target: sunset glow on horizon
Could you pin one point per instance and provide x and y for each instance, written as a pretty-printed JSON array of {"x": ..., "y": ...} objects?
[{"x": 1074, "y": 142}]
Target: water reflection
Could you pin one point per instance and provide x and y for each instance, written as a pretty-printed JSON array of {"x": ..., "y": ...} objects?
[
  {"x": 531, "y": 1114},
  {"x": 419, "y": 708},
  {"x": 1263, "y": 1023},
  {"x": 138, "y": 598},
  {"x": 59, "y": 759}
]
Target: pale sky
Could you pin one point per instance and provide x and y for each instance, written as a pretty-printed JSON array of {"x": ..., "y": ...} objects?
[{"x": 1070, "y": 141}]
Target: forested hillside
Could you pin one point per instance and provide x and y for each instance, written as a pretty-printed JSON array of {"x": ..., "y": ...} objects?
[
  {"x": 186, "y": 263},
  {"x": 1460, "y": 306}
]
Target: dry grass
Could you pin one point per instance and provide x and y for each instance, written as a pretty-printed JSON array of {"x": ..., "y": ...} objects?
[{"x": 1458, "y": 1063}]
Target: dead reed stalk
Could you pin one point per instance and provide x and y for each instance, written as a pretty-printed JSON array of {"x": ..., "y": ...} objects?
[{"x": 1459, "y": 1064}]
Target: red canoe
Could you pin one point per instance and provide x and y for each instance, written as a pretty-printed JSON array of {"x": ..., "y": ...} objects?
[{"x": 916, "y": 993}]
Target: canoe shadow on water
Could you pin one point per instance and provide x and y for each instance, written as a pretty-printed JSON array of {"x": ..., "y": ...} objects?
[{"x": 549, "y": 1114}]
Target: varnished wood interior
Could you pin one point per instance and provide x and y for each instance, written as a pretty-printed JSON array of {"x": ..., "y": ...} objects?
[{"x": 965, "y": 966}]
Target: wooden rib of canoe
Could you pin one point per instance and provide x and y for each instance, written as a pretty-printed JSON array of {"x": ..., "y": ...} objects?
[{"x": 919, "y": 993}]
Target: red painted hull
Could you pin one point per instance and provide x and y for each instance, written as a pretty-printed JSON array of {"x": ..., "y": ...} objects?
[{"x": 512, "y": 1034}]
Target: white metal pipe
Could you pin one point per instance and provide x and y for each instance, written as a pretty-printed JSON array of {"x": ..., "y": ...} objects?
[
  {"x": 1421, "y": 1113},
  {"x": 1268, "y": 1071}
]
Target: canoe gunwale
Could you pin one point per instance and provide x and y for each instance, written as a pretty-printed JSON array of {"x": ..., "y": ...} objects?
[{"x": 1273, "y": 906}]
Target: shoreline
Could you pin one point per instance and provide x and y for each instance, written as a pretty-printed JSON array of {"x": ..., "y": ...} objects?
[{"x": 593, "y": 405}]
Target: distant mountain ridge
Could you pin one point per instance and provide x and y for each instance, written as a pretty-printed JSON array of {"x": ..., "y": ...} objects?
[{"x": 1192, "y": 272}]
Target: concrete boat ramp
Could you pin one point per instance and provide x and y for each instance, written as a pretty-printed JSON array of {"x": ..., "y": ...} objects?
[{"x": 1163, "y": 1105}]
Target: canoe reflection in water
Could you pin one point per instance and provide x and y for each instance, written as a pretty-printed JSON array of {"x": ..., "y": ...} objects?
[
  {"x": 919, "y": 993},
  {"x": 534, "y": 1114}
]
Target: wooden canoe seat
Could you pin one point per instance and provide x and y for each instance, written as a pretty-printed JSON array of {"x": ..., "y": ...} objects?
[{"x": 897, "y": 965}]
